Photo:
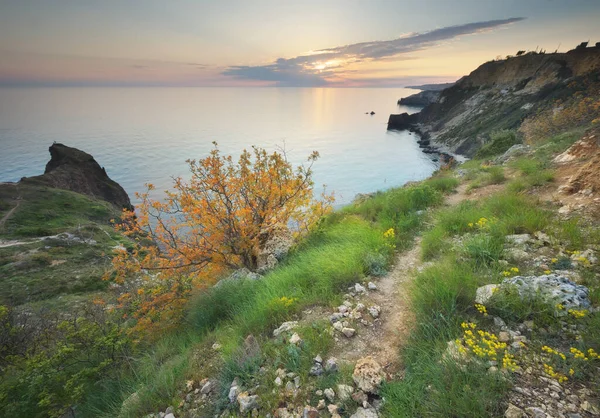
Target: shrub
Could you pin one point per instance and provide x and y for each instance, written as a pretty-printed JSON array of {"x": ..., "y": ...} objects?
[{"x": 500, "y": 142}]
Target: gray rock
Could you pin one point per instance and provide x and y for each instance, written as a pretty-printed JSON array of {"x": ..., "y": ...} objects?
[
  {"x": 514, "y": 412},
  {"x": 348, "y": 332},
  {"x": 344, "y": 392},
  {"x": 241, "y": 274},
  {"x": 372, "y": 286},
  {"x": 316, "y": 370},
  {"x": 485, "y": 293},
  {"x": 514, "y": 151},
  {"x": 278, "y": 381},
  {"x": 318, "y": 359},
  {"x": 169, "y": 415},
  {"x": 552, "y": 288},
  {"x": 358, "y": 288},
  {"x": 365, "y": 413},
  {"x": 536, "y": 412},
  {"x": 517, "y": 254},
  {"x": 518, "y": 239},
  {"x": 234, "y": 391},
  {"x": 289, "y": 387},
  {"x": 285, "y": 327},
  {"x": 374, "y": 311},
  {"x": 295, "y": 339},
  {"x": 247, "y": 402},
  {"x": 207, "y": 388},
  {"x": 329, "y": 394},
  {"x": 331, "y": 365}
]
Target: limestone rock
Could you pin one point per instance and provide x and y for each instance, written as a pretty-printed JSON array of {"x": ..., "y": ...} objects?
[
  {"x": 365, "y": 413},
  {"x": 374, "y": 311},
  {"x": 331, "y": 365},
  {"x": 316, "y": 369},
  {"x": 514, "y": 412},
  {"x": 295, "y": 339},
  {"x": 247, "y": 402},
  {"x": 344, "y": 392},
  {"x": 285, "y": 327},
  {"x": 329, "y": 394},
  {"x": 207, "y": 388},
  {"x": 348, "y": 332},
  {"x": 277, "y": 241},
  {"x": 368, "y": 375},
  {"x": 484, "y": 293},
  {"x": 552, "y": 288}
]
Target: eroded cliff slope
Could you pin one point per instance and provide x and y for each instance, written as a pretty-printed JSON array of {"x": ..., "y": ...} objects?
[{"x": 500, "y": 95}]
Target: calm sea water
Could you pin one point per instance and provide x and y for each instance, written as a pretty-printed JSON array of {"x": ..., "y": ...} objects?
[{"x": 145, "y": 135}]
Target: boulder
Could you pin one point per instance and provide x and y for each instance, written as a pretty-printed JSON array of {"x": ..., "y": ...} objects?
[
  {"x": 401, "y": 122},
  {"x": 368, "y": 375},
  {"x": 552, "y": 288},
  {"x": 75, "y": 170}
]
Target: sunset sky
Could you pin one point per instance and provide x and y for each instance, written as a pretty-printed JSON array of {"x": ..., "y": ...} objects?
[{"x": 321, "y": 43}]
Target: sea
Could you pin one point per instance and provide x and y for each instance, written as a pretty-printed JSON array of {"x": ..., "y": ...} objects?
[{"x": 145, "y": 135}]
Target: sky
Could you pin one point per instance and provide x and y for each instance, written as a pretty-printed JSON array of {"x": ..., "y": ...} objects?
[{"x": 296, "y": 43}]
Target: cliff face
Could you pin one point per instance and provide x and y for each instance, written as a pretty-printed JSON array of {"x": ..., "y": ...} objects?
[
  {"x": 499, "y": 95},
  {"x": 75, "y": 170}
]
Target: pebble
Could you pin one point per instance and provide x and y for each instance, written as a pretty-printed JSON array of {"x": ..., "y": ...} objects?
[
  {"x": 372, "y": 286},
  {"x": 295, "y": 339},
  {"x": 348, "y": 332}
]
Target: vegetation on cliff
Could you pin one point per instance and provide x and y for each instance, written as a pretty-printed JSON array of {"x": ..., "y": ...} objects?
[{"x": 475, "y": 340}]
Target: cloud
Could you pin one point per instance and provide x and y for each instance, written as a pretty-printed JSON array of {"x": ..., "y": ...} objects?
[{"x": 318, "y": 68}]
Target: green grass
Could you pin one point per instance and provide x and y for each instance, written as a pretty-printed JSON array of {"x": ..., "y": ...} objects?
[
  {"x": 558, "y": 143},
  {"x": 442, "y": 298},
  {"x": 486, "y": 176},
  {"x": 499, "y": 142},
  {"x": 347, "y": 246},
  {"x": 46, "y": 211}
]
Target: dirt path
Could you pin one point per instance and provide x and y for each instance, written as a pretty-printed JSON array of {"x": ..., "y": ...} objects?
[
  {"x": 9, "y": 214},
  {"x": 383, "y": 337}
]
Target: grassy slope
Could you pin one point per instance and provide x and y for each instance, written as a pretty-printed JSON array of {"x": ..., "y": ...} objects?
[
  {"x": 347, "y": 246},
  {"x": 443, "y": 294},
  {"x": 42, "y": 270}
]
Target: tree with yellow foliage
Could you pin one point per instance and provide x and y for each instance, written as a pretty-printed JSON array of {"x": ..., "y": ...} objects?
[{"x": 217, "y": 220}]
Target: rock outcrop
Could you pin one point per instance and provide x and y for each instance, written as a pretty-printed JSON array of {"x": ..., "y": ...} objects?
[
  {"x": 77, "y": 171},
  {"x": 422, "y": 98},
  {"x": 499, "y": 95}
]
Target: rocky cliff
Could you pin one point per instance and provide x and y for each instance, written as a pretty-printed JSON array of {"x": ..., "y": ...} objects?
[
  {"x": 75, "y": 170},
  {"x": 500, "y": 95}
]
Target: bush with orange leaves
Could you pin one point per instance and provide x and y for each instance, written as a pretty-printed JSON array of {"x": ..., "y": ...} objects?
[{"x": 215, "y": 221}]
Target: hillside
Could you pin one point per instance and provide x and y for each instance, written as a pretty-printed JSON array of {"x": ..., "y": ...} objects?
[
  {"x": 473, "y": 293},
  {"x": 500, "y": 95}
]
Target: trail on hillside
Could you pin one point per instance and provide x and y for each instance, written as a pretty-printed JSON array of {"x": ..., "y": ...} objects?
[
  {"x": 384, "y": 338},
  {"x": 9, "y": 214}
]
